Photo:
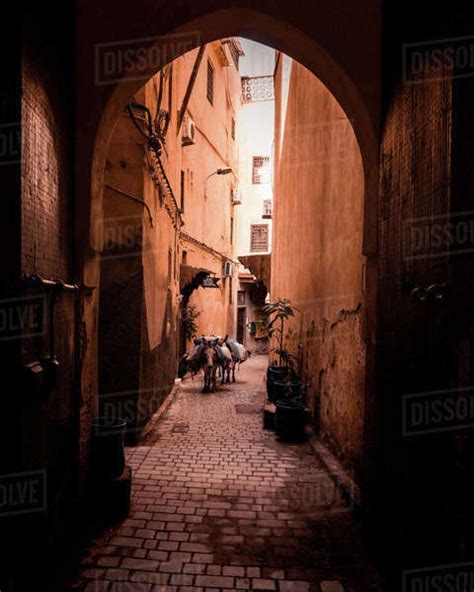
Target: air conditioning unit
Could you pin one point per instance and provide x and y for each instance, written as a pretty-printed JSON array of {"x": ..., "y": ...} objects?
[
  {"x": 228, "y": 269},
  {"x": 235, "y": 197},
  {"x": 189, "y": 131}
]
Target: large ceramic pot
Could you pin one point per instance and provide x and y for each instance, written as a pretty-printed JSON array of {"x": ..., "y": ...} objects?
[
  {"x": 107, "y": 453},
  {"x": 274, "y": 374},
  {"x": 289, "y": 388},
  {"x": 290, "y": 419}
]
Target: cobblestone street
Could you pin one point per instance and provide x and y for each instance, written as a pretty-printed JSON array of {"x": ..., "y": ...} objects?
[{"x": 219, "y": 504}]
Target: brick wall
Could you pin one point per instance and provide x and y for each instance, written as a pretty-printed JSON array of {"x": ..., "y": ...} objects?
[
  {"x": 41, "y": 428},
  {"x": 47, "y": 230}
]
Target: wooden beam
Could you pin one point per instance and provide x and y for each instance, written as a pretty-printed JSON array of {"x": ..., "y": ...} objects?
[{"x": 189, "y": 89}]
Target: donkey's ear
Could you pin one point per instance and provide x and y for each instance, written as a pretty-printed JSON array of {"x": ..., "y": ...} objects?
[{"x": 226, "y": 338}]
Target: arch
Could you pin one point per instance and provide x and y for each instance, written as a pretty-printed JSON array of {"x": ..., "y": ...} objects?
[
  {"x": 275, "y": 33},
  {"x": 332, "y": 65}
]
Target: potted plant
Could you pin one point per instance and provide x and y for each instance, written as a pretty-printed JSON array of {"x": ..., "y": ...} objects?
[
  {"x": 189, "y": 321},
  {"x": 278, "y": 313},
  {"x": 290, "y": 414},
  {"x": 284, "y": 387}
]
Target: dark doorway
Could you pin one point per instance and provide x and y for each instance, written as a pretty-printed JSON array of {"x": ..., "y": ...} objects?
[{"x": 241, "y": 313}]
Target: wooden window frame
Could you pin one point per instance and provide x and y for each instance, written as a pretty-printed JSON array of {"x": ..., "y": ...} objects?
[{"x": 259, "y": 245}]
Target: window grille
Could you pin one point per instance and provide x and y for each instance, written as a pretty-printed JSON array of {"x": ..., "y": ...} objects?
[
  {"x": 258, "y": 237},
  {"x": 261, "y": 170}
]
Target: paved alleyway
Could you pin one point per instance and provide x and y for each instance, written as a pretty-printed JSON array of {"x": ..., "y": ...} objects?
[{"x": 219, "y": 504}]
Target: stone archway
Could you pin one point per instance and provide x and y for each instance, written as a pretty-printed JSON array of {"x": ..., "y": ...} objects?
[{"x": 359, "y": 104}]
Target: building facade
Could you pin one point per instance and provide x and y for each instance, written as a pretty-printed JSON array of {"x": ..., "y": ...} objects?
[
  {"x": 254, "y": 222},
  {"x": 209, "y": 176},
  {"x": 319, "y": 179},
  {"x": 167, "y": 227}
]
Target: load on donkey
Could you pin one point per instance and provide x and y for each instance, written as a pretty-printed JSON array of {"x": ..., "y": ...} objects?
[{"x": 212, "y": 353}]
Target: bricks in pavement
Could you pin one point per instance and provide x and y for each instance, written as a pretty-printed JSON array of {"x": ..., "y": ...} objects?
[{"x": 219, "y": 504}]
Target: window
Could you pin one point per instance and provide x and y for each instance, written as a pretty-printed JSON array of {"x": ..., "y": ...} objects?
[
  {"x": 261, "y": 170},
  {"x": 232, "y": 231},
  {"x": 241, "y": 297},
  {"x": 210, "y": 82},
  {"x": 231, "y": 291},
  {"x": 257, "y": 88},
  {"x": 182, "y": 191},
  {"x": 258, "y": 237},
  {"x": 232, "y": 129},
  {"x": 267, "y": 208}
]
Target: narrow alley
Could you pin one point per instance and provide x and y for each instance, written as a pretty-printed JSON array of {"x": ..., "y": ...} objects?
[
  {"x": 284, "y": 190},
  {"x": 218, "y": 503}
]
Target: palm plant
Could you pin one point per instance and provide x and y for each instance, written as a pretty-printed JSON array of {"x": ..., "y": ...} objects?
[
  {"x": 278, "y": 313},
  {"x": 189, "y": 318}
]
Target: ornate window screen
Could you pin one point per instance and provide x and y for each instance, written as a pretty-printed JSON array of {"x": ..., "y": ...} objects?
[
  {"x": 257, "y": 88},
  {"x": 258, "y": 237},
  {"x": 261, "y": 170}
]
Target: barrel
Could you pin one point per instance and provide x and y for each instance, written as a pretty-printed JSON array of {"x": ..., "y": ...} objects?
[
  {"x": 107, "y": 454},
  {"x": 274, "y": 374}
]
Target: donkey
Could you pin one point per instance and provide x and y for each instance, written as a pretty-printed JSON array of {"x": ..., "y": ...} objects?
[
  {"x": 238, "y": 354},
  {"x": 225, "y": 360},
  {"x": 191, "y": 360},
  {"x": 209, "y": 361}
]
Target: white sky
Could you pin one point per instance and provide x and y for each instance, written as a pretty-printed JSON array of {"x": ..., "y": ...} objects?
[{"x": 259, "y": 60}]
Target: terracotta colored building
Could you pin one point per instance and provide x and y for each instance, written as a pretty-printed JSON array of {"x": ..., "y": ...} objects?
[
  {"x": 167, "y": 225},
  {"x": 319, "y": 180},
  {"x": 209, "y": 175},
  {"x": 414, "y": 132},
  {"x": 254, "y": 221}
]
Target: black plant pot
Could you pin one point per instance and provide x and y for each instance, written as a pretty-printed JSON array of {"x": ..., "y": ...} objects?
[
  {"x": 289, "y": 388},
  {"x": 290, "y": 419},
  {"x": 107, "y": 453},
  {"x": 275, "y": 374}
]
